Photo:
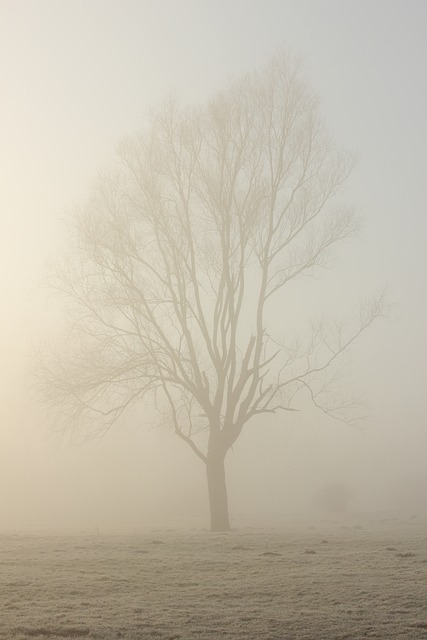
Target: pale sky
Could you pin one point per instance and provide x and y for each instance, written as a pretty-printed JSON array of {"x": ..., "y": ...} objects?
[{"x": 76, "y": 76}]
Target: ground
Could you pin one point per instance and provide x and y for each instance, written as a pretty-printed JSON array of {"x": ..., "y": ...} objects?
[{"x": 328, "y": 579}]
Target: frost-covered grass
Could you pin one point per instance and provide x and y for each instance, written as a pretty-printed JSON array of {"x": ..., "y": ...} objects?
[{"x": 317, "y": 581}]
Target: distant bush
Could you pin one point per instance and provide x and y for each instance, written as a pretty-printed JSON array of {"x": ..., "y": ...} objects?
[{"x": 334, "y": 498}]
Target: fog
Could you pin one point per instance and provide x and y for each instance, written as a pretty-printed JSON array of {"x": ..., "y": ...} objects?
[{"x": 78, "y": 77}]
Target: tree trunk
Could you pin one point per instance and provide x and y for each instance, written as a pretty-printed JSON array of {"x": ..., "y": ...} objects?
[{"x": 218, "y": 502}]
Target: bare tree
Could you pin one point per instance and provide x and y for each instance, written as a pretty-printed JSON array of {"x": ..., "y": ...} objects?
[{"x": 178, "y": 254}]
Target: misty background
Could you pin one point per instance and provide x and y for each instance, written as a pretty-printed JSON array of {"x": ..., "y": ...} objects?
[{"x": 77, "y": 77}]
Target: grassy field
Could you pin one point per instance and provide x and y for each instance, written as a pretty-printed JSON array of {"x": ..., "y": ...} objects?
[{"x": 304, "y": 580}]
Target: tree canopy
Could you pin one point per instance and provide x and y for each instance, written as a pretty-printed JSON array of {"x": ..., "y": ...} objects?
[{"x": 178, "y": 253}]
